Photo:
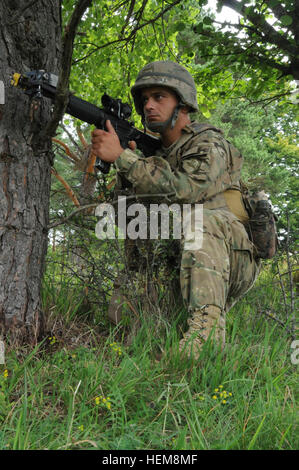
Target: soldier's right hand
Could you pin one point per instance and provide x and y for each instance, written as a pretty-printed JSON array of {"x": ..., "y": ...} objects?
[{"x": 132, "y": 145}]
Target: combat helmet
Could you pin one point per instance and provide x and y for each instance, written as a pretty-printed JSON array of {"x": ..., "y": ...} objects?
[{"x": 169, "y": 74}]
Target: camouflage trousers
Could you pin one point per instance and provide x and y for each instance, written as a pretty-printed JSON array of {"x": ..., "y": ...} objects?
[
  {"x": 212, "y": 278},
  {"x": 215, "y": 276}
]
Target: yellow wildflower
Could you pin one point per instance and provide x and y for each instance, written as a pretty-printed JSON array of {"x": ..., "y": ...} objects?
[
  {"x": 5, "y": 374},
  {"x": 103, "y": 401},
  {"x": 97, "y": 400},
  {"x": 52, "y": 339},
  {"x": 116, "y": 348},
  {"x": 221, "y": 394},
  {"x": 108, "y": 405}
]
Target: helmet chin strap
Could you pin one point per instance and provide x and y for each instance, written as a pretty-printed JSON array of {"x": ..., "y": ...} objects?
[{"x": 161, "y": 126}]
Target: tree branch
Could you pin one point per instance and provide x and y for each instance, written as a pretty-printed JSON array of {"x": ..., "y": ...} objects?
[
  {"x": 80, "y": 150},
  {"x": 131, "y": 9},
  {"x": 269, "y": 99},
  {"x": 68, "y": 189},
  {"x": 133, "y": 32},
  {"x": 278, "y": 9},
  {"x": 248, "y": 50},
  {"x": 113, "y": 203},
  {"x": 261, "y": 26},
  {"x": 70, "y": 154},
  {"x": 61, "y": 99}
]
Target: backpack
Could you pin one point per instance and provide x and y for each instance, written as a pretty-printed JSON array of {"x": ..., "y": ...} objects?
[{"x": 261, "y": 227}]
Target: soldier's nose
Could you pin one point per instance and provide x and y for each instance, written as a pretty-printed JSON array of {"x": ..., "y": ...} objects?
[{"x": 149, "y": 104}]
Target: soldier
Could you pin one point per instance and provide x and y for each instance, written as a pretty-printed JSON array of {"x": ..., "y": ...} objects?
[{"x": 196, "y": 164}]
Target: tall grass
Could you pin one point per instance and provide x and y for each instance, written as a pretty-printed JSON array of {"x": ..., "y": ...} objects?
[{"x": 95, "y": 393}]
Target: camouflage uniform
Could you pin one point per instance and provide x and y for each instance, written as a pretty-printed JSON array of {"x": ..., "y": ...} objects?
[{"x": 202, "y": 167}]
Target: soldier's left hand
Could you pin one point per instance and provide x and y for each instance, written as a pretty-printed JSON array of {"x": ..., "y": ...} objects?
[{"x": 106, "y": 144}]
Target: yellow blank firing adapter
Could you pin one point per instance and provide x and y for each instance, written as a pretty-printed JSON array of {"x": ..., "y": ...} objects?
[{"x": 15, "y": 79}]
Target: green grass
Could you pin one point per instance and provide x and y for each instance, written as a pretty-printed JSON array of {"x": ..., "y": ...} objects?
[{"x": 98, "y": 394}]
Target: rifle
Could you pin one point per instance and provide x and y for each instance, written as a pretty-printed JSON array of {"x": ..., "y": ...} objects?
[{"x": 38, "y": 84}]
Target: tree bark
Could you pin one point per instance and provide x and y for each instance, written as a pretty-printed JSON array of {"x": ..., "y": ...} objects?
[{"x": 30, "y": 39}]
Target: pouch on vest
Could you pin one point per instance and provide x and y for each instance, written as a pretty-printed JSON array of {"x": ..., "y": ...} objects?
[{"x": 261, "y": 226}]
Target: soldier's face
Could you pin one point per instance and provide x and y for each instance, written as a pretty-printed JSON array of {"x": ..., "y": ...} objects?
[{"x": 158, "y": 103}]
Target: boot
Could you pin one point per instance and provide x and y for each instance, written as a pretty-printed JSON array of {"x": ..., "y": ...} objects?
[{"x": 208, "y": 320}]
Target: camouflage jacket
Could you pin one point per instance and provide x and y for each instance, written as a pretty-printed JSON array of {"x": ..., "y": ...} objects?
[{"x": 198, "y": 167}]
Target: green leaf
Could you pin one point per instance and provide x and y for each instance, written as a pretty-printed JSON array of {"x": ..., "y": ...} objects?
[
  {"x": 273, "y": 3},
  {"x": 286, "y": 20},
  {"x": 180, "y": 26},
  {"x": 249, "y": 11},
  {"x": 252, "y": 442},
  {"x": 198, "y": 28},
  {"x": 207, "y": 20}
]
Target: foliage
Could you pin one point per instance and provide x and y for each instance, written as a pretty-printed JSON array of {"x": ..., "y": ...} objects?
[
  {"x": 114, "y": 40},
  {"x": 286, "y": 152},
  {"x": 80, "y": 389},
  {"x": 257, "y": 57},
  {"x": 268, "y": 141}
]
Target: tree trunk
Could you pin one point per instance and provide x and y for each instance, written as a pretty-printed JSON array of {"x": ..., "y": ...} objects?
[{"x": 30, "y": 39}]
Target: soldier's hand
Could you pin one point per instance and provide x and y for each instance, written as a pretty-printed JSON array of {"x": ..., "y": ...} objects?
[
  {"x": 132, "y": 145},
  {"x": 106, "y": 144}
]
